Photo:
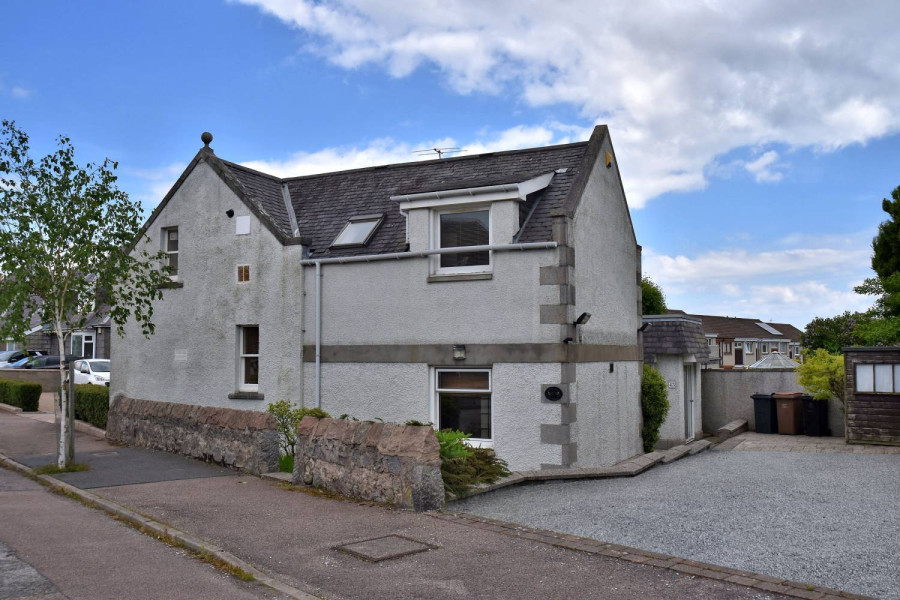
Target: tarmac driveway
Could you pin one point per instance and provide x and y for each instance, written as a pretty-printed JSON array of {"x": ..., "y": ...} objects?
[{"x": 828, "y": 519}]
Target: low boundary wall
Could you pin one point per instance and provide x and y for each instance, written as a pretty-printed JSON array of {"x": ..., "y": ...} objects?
[
  {"x": 726, "y": 396},
  {"x": 384, "y": 462},
  {"x": 243, "y": 439},
  {"x": 48, "y": 378}
]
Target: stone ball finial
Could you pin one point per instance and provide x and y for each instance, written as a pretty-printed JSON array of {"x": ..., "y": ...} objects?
[{"x": 206, "y": 138}]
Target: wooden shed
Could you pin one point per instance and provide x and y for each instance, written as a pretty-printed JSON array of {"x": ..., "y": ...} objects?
[{"x": 872, "y": 395}]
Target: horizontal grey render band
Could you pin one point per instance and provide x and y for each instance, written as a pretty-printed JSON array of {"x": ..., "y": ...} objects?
[{"x": 476, "y": 354}]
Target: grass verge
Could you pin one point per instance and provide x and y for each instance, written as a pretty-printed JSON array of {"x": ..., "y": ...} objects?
[{"x": 75, "y": 467}]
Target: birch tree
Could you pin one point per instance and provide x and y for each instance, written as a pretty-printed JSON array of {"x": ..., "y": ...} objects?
[{"x": 68, "y": 248}]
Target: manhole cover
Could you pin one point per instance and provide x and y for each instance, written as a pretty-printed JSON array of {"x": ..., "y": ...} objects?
[
  {"x": 383, "y": 548},
  {"x": 106, "y": 453}
]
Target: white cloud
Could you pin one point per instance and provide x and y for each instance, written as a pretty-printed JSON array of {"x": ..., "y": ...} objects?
[
  {"x": 152, "y": 185},
  {"x": 387, "y": 150},
  {"x": 786, "y": 285},
  {"x": 761, "y": 168},
  {"x": 20, "y": 92},
  {"x": 679, "y": 82}
]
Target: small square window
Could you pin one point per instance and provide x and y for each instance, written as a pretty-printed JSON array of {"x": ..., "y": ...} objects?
[
  {"x": 243, "y": 273},
  {"x": 358, "y": 231}
]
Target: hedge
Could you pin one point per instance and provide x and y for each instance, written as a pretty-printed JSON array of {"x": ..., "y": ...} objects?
[
  {"x": 654, "y": 406},
  {"x": 24, "y": 394},
  {"x": 92, "y": 404}
]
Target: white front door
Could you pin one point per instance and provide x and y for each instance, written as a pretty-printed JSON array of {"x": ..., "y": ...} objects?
[{"x": 690, "y": 375}]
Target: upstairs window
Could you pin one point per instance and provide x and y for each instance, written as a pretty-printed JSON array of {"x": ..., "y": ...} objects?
[
  {"x": 358, "y": 231},
  {"x": 461, "y": 228},
  {"x": 170, "y": 247}
]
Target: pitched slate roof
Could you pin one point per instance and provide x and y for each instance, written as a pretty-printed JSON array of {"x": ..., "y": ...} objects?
[
  {"x": 674, "y": 334},
  {"x": 736, "y": 327},
  {"x": 323, "y": 203}
]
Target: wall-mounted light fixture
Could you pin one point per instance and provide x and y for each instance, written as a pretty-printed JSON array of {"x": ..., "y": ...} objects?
[
  {"x": 229, "y": 213},
  {"x": 644, "y": 327},
  {"x": 583, "y": 319},
  {"x": 459, "y": 352}
]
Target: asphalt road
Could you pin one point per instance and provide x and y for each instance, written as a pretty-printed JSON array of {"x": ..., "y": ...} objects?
[
  {"x": 53, "y": 548},
  {"x": 828, "y": 519}
]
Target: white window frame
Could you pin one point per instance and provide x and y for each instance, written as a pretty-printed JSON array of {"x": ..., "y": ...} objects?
[
  {"x": 726, "y": 348},
  {"x": 246, "y": 387},
  {"x": 436, "y": 240},
  {"x": 893, "y": 379},
  {"x": 168, "y": 253},
  {"x": 84, "y": 337},
  {"x": 436, "y": 400}
]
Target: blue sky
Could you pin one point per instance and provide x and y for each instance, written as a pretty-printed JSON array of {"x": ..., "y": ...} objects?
[{"x": 755, "y": 142}]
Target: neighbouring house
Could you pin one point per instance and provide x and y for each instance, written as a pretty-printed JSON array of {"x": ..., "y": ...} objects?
[
  {"x": 676, "y": 346},
  {"x": 496, "y": 293},
  {"x": 91, "y": 341},
  {"x": 737, "y": 342}
]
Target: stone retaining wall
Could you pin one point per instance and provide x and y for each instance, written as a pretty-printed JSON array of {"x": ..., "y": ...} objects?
[
  {"x": 385, "y": 462},
  {"x": 243, "y": 439}
]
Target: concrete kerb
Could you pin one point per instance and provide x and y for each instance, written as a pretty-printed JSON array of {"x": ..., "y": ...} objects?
[
  {"x": 567, "y": 541},
  {"x": 10, "y": 409},
  {"x": 148, "y": 524}
]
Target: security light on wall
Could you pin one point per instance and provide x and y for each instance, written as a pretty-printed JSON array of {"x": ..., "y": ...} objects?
[
  {"x": 459, "y": 352},
  {"x": 583, "y": 319}
]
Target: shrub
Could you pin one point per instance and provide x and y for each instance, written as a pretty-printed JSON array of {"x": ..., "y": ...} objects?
[
  {"x": 92, "y": 404},
  {"x": 654, "y": 406},
  {"x": 287, "y": 418},
  {"x": 286, "y": 463},
  {"x": 463, "y": 467},
  {"x": 822, "y": 375},
  {"x": 23, "y": 394}
]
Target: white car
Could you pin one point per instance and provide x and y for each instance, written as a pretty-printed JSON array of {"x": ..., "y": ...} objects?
[{"x": 93, "y": 370}]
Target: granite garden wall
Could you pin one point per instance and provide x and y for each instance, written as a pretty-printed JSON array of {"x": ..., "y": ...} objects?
[
  {"x": 243, "y": 439},
  {"x": 384, "y": 462}
]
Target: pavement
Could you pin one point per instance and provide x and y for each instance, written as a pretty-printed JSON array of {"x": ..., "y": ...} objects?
[
  {"x": 806, "y": 509},
  {"x": 313, "y": 543},
  {"x": 53, "y": 548}
]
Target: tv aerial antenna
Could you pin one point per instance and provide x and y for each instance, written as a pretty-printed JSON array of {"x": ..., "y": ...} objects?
[{"x": 439, "y": 151}]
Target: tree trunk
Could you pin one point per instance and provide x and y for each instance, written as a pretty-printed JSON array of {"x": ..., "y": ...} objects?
[{"x": 61, "y": 410}]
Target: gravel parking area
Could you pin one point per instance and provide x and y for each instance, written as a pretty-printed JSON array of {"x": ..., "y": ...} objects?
[{"x": 828, "y": 519}]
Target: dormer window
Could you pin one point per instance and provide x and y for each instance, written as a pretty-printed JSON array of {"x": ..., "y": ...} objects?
[
  {"x": 461, "y": 228},
  {"x": 358, "y": 230}
]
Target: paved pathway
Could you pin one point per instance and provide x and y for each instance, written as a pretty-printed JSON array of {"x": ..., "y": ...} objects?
[
  {"x": 770, "y": 442},
  {"x": 294, "y": 536},
  {"x": 54, "y": 548}
]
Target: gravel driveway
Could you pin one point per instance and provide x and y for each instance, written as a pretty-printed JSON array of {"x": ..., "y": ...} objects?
[{"x": 829, "y": 519}]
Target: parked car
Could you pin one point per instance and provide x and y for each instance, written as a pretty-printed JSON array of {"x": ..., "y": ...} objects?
[
  {"x": 45, "y": 362},
  {"x": 10, "y": 356},
  {"x": 94, "y": 371}
]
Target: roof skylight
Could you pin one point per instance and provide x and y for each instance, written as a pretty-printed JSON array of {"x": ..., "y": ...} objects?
[{"x": 358, "y": 230}]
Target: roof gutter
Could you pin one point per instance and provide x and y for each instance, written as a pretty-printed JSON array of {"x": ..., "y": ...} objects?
[{"x": 318, "y": 262}]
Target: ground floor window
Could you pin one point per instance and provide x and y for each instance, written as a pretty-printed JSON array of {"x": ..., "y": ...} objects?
[
  {"x": 82, "y": 344},
  {"x": 10, "y": 345},
  {"x": 248, "y": 359},
  {"x": 463, "y": 398}
]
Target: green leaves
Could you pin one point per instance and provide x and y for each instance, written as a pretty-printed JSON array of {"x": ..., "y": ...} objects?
[
  {"x": 822, "y": 375},
  {"x": 66, "y": 231},
  {"x": 654, "y": 406},
  {"x": 653, "y": 300}
]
